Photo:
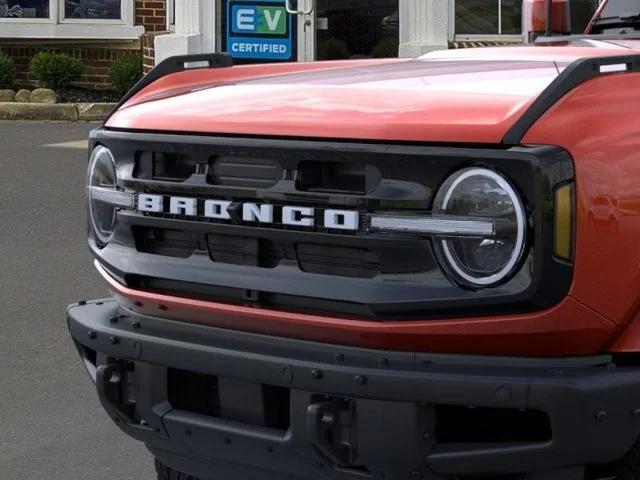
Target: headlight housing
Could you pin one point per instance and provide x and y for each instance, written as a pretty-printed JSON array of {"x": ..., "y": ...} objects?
[
  {"x": 481, "y": 261},
  {"x": 103, "y": 196}
]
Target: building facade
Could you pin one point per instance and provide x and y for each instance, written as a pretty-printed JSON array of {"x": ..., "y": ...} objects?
[
  {"x": 94, "y": 31},
  {"x": 99, "y": 31}
]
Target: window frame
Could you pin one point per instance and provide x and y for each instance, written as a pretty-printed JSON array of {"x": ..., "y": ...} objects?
[
  {"x": 460, "y": 37},
  {"x": 171, "y": 15},
  {"x": 126, "y": 16},
  {"x": 57, "y": 26}
]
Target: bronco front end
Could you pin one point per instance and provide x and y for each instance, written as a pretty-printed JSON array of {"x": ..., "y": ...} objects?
[{"x": 396, "y": 269}]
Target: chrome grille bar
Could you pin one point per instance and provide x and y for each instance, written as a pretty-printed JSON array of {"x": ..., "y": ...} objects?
[{"x": 433, "y": 225}]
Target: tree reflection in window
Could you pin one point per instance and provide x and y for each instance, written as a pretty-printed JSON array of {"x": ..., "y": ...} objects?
[
  {"x": 477, "y": 17},
  {"x": 92, "y": 9},
  {"x": 24, "y": 9}
]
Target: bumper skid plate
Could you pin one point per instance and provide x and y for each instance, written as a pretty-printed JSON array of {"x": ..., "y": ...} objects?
[{"x": 224, "y": 404}]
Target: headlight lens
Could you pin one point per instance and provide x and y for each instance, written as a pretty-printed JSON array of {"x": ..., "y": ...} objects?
[
  {"x": 482, "y": 193},
  {"x": 101, "y": 180}
]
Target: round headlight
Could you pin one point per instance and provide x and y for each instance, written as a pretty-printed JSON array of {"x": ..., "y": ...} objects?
[
  {"x": 482, "y": 193},
  {"x": 101, "y": 179}
]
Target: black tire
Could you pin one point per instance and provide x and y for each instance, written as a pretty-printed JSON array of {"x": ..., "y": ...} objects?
[
  {"x": 166, "y": 473},
  {"x": 629, "y": 467}
]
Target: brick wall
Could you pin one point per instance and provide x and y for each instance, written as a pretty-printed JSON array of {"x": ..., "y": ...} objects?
[
  {"x": 149, "y": 51},
  {"x": 152, "y": 14}
]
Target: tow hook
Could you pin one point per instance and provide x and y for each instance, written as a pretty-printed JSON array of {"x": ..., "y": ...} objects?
[
  {"x": 111, "y": 384},
  {"x": 330, "y": 424},
  {"x": 385, "y": 439}
]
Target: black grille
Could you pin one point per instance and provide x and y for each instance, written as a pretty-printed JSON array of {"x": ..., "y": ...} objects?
[
  {"x": 337, "y": 256},
  {"x": 238, "y": 250},
  {"x": 340, "y": 261},
  {"x": 169, "y": 243},
  {"x": 244, "y": 172},
  {"x": 170, "y": 167},
  {"x": 372, "y": 275}
]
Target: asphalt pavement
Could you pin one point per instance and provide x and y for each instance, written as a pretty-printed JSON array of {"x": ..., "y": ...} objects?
[{"x": 51, "y": 424}]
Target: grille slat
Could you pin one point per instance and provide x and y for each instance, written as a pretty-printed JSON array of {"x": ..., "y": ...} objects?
[{"x": 244, "y": 172}]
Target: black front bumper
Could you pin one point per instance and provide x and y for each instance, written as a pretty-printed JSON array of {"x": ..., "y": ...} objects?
[{"x": 353, "y": 413}]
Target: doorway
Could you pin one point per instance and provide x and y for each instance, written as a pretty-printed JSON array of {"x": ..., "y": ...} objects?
[
  {"x": 258, "y": 31},
  {"x": 351, "y": 29}
]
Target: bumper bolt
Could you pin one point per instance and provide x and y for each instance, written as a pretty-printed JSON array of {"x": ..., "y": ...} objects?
[
  {"x": 93, "y": 335},
  {"x": 329, "y": 418},
  {"x": 636, "y": 413},
  {"x": 114, "y": 319},
  {"x": 427, "y": 436},
  {"x": 114, "y": 340},
  {"x": 136, "y": 325},
  {"x": 503, "y": 393},
  {"x": 187, "y": 433},
  {"x": 316, "y": 374},
  {"x": 361, "y": 379},
  {"x": 416, "y": 475},
  {"x": 383, "y": 362},
  {"x": 339, "y": 357},
  {"x": 601, "y": 416}
]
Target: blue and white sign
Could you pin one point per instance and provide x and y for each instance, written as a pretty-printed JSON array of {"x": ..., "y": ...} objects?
[{"x": 259, "y": 29}]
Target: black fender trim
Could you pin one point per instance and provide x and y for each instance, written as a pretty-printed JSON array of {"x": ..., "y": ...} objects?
[
  {"x": 574, "y": 75},
  {"x": 176, "y": 64}
]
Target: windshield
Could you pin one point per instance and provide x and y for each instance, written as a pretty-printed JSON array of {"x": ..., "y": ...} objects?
[
  {"x": 618, "y": 17},
  {"x": 616, "y": 8}
]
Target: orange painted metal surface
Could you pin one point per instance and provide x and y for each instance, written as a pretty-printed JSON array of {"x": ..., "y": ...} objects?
[
  {"x": 568, "y": 329},
  {"x": 410, "y": 101},
  {"x": 471, "y": 96},
  {"x": 598, "y": 124}
]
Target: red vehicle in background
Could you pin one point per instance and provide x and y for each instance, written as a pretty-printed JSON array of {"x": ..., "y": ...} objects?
[{"x": 376, "y": 269}]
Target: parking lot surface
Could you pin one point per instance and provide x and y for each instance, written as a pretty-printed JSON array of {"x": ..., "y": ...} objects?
[{"x": 51, "y": 424}]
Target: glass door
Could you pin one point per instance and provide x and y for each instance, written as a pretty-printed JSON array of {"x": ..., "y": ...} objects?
[{"x": 348, "y": 29}]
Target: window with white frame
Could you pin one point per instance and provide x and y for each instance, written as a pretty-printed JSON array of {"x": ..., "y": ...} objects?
[
  {"x": 504, "y": 17},
  {"x": 93, "y": 9},
  {"x": 69, "y": 19},
  {"x": 18, "y": 9},
  {"x": 488, "y": 17}
]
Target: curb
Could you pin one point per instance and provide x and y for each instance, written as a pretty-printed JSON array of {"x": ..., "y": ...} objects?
[{"x": 69, "y": 112}]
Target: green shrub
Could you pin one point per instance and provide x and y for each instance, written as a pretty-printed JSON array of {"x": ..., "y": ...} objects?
[
  {"x": 125, "y": 72},
  {"x": 333, "y": 49},
  {"x": 387, "y": 47},
  {"x": 6, "y": 71},
  {"x": 55, "y": 70}
]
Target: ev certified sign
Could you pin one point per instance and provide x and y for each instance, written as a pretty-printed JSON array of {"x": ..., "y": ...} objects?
[{"x": 259, "y": 29}]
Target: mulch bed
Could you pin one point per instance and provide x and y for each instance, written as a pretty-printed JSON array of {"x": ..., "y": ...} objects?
[{"x": 81, "y": 95}]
